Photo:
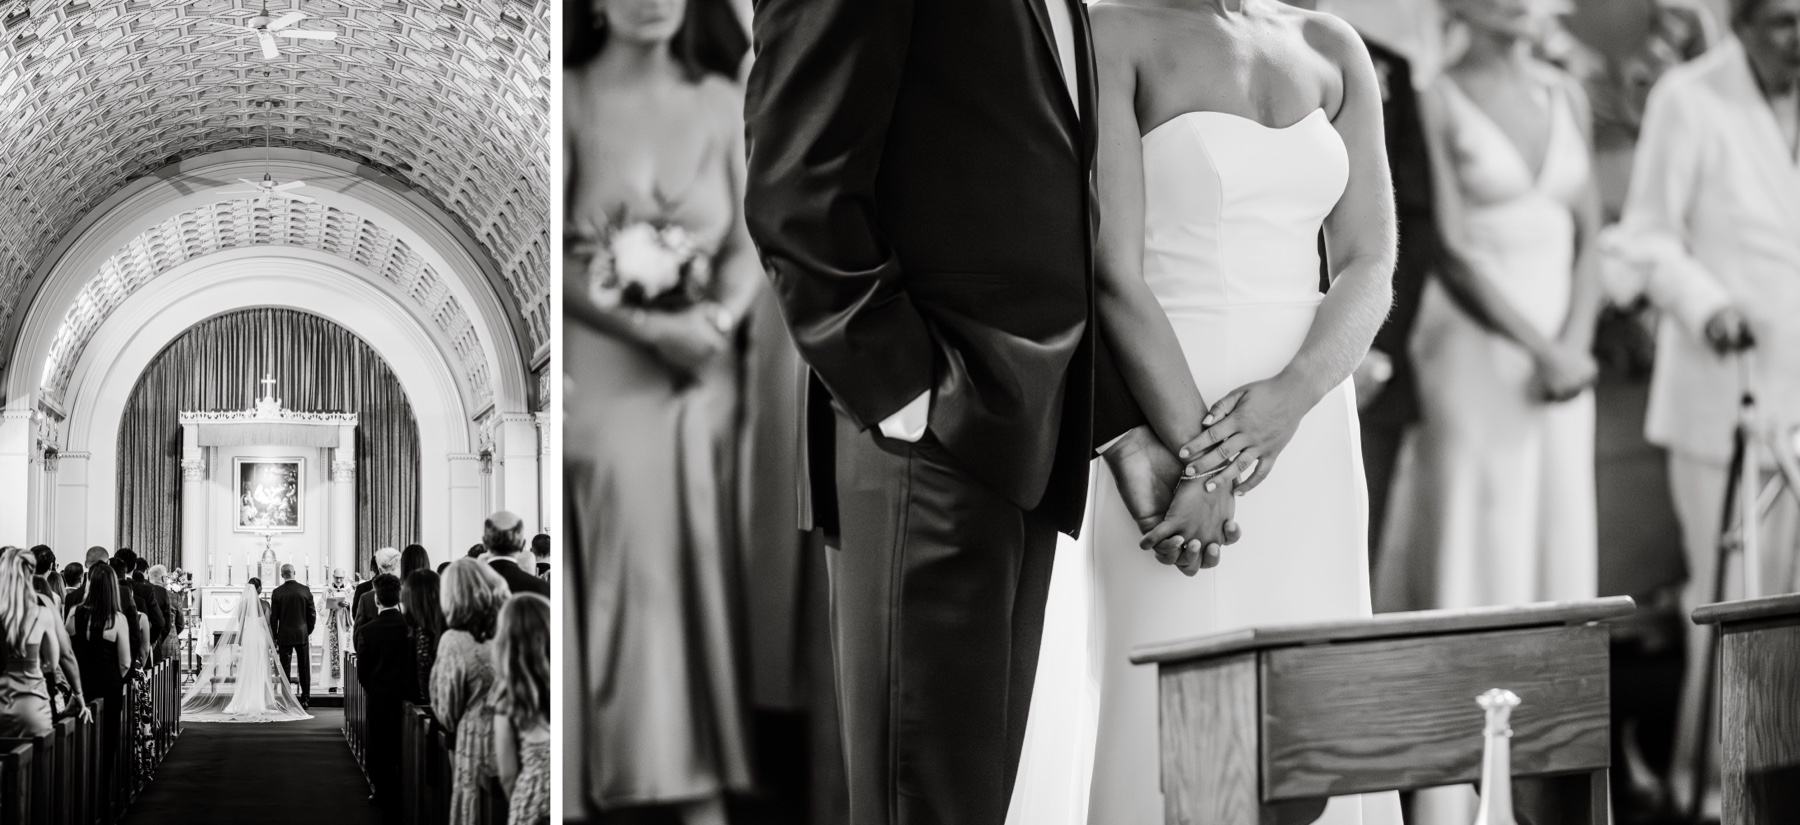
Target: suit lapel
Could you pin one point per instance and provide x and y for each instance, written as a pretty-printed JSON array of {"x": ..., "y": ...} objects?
[
  {"x": 1040, "y": 14},
  {"x": 1087, "y": 81}
]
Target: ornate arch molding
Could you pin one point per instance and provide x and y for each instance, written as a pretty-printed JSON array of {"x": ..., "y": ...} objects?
[
  {"x": 392, "y": 235},
  {"x": 145, "y": 323}
]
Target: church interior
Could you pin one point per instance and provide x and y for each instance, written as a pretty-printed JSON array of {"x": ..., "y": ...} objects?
[{"x": 274, "y": 287}]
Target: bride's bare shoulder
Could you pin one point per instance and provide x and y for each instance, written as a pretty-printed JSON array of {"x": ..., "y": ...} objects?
[{"x": 1330, "y": 36}]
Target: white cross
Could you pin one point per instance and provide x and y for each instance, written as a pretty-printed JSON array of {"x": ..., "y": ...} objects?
[{"x": 268, "y": 386}]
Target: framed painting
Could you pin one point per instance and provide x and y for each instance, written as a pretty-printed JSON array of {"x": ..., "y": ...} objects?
[{"x": 268, "y": 494}]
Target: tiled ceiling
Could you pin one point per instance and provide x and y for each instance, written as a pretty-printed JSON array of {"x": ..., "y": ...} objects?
[{"x": 449, "y": 97}]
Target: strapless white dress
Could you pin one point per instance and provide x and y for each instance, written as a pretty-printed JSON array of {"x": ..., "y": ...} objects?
[{"x": 1232, "y": 216}]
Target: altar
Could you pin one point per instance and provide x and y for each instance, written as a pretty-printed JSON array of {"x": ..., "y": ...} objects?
[{"x": 262, "y": 488}]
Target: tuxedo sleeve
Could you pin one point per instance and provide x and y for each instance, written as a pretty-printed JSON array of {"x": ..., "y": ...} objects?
[
  {"x": 312, "y": 614},
  {"x": 1115, "y": 411},
  {"x": 818, "y": 103}
]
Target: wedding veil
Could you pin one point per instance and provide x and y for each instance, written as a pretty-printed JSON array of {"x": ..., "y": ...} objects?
[{"x": 241, "y": 679}]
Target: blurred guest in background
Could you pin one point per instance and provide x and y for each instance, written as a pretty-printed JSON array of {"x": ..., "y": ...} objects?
[
  {"x": 1711, "y": 235},
  {"x": 540, "y": 555},
  {"x": 412, "y": 558},
  {"x": 521, "y": 698},
  {"x": 472, "y": 596},
  {"x": 661, "y": 275},
  {"x": 27, "y": 633},
  {"x": 1499, "y": 503},
  {"x": 504, "y": 537}
]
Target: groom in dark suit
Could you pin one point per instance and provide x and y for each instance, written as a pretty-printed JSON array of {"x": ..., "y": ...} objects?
[
  {"x": 920, "y": 188},
  {"x": 291, "y": 618}
]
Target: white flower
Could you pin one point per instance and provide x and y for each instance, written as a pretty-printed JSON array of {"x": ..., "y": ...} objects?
[{"x": 640, "y": 257}]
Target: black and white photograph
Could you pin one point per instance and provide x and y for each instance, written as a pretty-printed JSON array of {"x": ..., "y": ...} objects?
[
  {"x": 276, "y": 365},
  {"x": 1043, "y": 412}
]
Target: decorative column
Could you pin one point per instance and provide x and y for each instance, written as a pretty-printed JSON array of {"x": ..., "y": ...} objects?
[
  {"x": 343, "y": 503},
  {"x": 16, "y": 436},
  {"x": 548, "y": 462},
  {"x": 193, "y": 522}
]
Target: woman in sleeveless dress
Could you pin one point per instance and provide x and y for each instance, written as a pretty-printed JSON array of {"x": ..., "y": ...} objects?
[
  {"x": 1496, "y": 497},
  {"x": 654, "y": 137},
  {"x": 33, "y": 654},
  {"x": 1213, "y": 195},
  {"x": 1495, "y": 494},
  {"x": 98, "y": 633}
]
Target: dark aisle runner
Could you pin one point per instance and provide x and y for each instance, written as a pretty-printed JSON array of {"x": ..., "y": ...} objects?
[{"x": 262, "y": 774}]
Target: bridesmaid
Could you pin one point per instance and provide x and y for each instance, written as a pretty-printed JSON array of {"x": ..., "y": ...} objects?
[
  {"x": 1496, "y": 502},
  {"x": 654, "y": 133}
]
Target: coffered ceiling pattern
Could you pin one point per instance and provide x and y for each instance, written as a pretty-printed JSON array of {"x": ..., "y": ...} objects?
[
  {"x": 450, "y": 97},
  {"x": 244, "y": 223}
]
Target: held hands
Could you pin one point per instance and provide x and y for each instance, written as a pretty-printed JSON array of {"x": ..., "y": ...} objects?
[
  {"x": 685, "y": 340},
  {"x": 1246, "y": 429},
  {"x": 1565, "y": 371},
  {"x": 1189, "y": 531}
]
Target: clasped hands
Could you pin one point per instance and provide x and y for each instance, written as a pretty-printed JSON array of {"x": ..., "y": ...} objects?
[{"x": 1184, "y": 501}]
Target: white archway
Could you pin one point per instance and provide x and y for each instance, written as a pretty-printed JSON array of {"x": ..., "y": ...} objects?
[{"x": 450, "y": 495}]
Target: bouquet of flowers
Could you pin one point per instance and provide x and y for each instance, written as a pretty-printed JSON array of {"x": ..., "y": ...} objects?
[{"x": 644, "y": 264}]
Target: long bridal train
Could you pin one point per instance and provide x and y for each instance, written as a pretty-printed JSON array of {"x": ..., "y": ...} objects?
[{"x": 241, "y": 680}]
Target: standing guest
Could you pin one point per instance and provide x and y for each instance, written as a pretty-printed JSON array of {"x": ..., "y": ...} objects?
[
  {"x": 95, "y": 555},
  {"x": 504, "y": 537},
  {"x": 99, "y": 633},
  {"x": 1501, "y": 508},
  {"x": 412, "y": 558},
  {"x": 387, "y": 670},
  {"x": 32, "y": 649},
  {"x": 419, "y": 601},
  {"x": 150, "y": 580},
  {"x": 43, "y": 563},
  {"x": 540, "y": 553},
  {"x": 75, "y": 580},
  {"x": 1712, "y": 224},
  {"x": 651, "y": 406},
  {"x": 158, "y": 576},
  {"x": 292, "y": 616},
  {"x": 387, "y": 560},
  {"x": 471, "y": 596},
  {"x": 135, "y": 624},
  {"x": 521, "y": 700},
  {"x": 148, "y": 605}
]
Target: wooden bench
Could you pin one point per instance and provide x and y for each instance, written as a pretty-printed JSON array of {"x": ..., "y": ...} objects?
[
  {"x": 1759, "y": 707},
  {"x": 1263, "y": 725}
]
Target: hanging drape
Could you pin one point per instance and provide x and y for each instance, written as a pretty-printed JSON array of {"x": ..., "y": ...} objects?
[{"x": 215, "y": 367}]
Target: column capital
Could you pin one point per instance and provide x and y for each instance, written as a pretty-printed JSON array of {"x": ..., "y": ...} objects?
[
  {"x": 343, "y": 471},
  {"x": 193, "y": 469}
]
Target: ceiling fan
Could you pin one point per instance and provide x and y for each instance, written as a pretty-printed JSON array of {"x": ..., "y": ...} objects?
[
  {"x": 263, "y": 192},
  {"x": 267, "y": 29}
]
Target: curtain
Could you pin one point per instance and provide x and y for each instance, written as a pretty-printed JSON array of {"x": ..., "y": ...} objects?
[{"x": 215, "y": 367}]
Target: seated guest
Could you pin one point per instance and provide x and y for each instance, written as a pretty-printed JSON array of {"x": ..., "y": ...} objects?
[
  {"x": 504, "y": 538},
  {"x": 471, "y": 595},
  {"x": 419, "y": 601},
  {"x": 74, "y": 584},
  {"x": 97, "y": 631},
  {"x": 32, "y": 649},
  {"x": 386, "y": 667},
  {"x": 540, "y": 551},
  {"x": 522, "y": 707},
  {"x": 387, "y": 560}
]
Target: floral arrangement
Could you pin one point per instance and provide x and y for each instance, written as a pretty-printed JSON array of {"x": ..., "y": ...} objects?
[{"x": 645, "y": 265}]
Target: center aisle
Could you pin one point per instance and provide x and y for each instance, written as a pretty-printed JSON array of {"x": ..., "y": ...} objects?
[{"x": 272, "y": 773}]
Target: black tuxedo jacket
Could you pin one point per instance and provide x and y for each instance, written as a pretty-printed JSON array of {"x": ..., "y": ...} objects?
[
  {"x": 292, "y": 613},
  {"x": 921, "y": 191},
  {"x": 157, "y": 612},
  {"x": 1421, "y": 249},
  {"x": 385, "y": 664},
  {"x": 356, "y": 601},
  {"x": 517, "y": 579}
]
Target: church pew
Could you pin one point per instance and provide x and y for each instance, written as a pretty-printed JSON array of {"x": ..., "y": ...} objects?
[
  {"x": 1758, "y": 677},
  {"x": 491, "y": 803},
  {"x": 15, "y": 783},
  {"x": 1263, "y": 725},
  {"x": 353, "y": 712},
  {"x": 40, "y": 791}
]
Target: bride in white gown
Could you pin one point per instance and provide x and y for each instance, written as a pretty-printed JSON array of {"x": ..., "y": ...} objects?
[
  {"x": 1232, "y": 131},
  {"x": 242, "y": 680}
]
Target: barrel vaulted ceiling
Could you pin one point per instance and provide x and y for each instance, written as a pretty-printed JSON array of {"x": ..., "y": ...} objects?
[{"x": 449, "y": 97}]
